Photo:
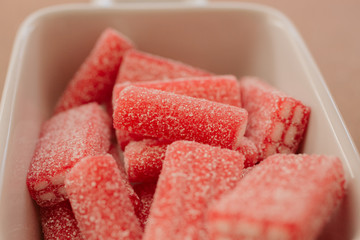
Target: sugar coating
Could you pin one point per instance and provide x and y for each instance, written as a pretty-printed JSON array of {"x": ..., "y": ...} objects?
[
  {"x": 58, "y": 222},
  {"x": 95, "y": 78},
  {"x": 140, "y": 66},
  {"x": 247, "y": 148},
  {"x": 277, "y": 122},
  {"x": 193, "y": 176},
  {"x": 64, "y": 140},
  {"x": 143, "y": 159},
  {"x": 284, "y": 197},
  {"x": 172, "y": 117},
  {"x": 224, "y": 89},
  {"x": 124, "y": 137},
  {"x": 135, "y": 200},
  {"x": 146, "y": 192},
  {"x": 100, "y": 200}
]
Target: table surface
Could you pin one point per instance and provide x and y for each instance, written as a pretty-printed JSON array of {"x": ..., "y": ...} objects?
[{"x": 329, "y": 27}]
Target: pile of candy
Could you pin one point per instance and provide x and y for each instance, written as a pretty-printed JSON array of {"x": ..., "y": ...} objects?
[{"x": 204, "y": 156}]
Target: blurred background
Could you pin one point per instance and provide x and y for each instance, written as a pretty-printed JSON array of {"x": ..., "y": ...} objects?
[{"x": 330, "y": 29}]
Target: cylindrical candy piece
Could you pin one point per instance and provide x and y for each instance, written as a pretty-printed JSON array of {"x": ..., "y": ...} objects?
[
  {"x": 100, "y": 200},
  {"x": 193, "y": 176},
  {"x": 284, "y": 197},
  {"x": 223, "y": 89},
  {"x": 173, "y": 117},
  {"x": 140, "y": 66},
  {"x": 94, "y": 80},
  {"x": 143, "y": 159},
  {"x": 65, "y": 139},
  {"x": 277, "y": 122},
  {"x": 58, "y": 222}
]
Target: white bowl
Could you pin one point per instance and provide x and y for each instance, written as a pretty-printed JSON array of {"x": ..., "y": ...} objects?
[{"x": 236, "y": 38}]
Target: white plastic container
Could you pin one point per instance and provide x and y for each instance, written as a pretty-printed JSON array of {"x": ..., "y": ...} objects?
[{"x": 225, "y": 38}]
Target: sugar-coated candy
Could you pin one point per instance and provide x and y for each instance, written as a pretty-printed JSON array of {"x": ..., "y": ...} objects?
[
  {"x": 284, "y": 197},
  {"x": 249, "y": 150},
  {"x": 124, "y": 137},
  {"x": 135, "y": 200},
  {"x": 58, "y": 222},
  {"x": 100, "y": 200},
  {"x": 140, "y": 66},
  {"x": 143, "y": 159},
  {"x": 224, "y": 89},
  {"x": 173, "y": 117},
  {"x": 64, "y": 140},
  {"x": 277, "y": 122},
  {"x": 193, "y": 176},
  {"x": 94, "y": 80},
  {"x": 146, "y": 192}
]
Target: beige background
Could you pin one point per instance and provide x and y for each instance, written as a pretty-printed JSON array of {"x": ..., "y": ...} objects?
[{"x": 330, "y": 29}]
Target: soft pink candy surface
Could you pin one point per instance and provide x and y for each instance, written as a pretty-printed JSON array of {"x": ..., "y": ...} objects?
[
  {"x": 135, "y": 200},
  {"x": 146, "y": 192},
  {"x": 140, "y": 66},
  {"x": 277, "y": 122},
  {"x": 100, "y": 200},
  {"x": 284, "y": 197},
  {"x": 58, "y": 222},
  {"x": 224, "y": 89},
  {"x": 96, "y": 77},
  {"x": 172, "y": 117},
  {"x": 64, "y": 140},
  {"x": 143, "y": 159},
  {"x": 193, "y": 176},
  {"x": 247, "y": 148}
]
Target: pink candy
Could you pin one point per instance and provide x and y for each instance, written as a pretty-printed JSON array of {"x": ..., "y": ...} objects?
[
  {"x": 140, "y": 66},
  {"x": 193, "y": 176},
  {"x": 284, "y": 197},
  {"x": 64, "y": 140},
  {"x": 100, "y": 200},
  {"x": 143, "y": 159},
  {"x": 58, "y": 222},
  {"x": 146, "y": 192},
  {"x": 96, "y": 77},
  {"x": 172, "y": 117},
  {"x": 222, "y": 89},
  {"x": 277, "y": 122}
]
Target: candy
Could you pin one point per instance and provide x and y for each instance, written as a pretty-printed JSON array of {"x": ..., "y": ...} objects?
[
  {"x": 143, "y": 159},
  {"x": 284, "y": 197},
  {"x": 140, "y": 66},
  {"x": 146, "y": 192},
  {"x": 223, "y": 89},
  {"x": 100, "y": 200},
  {"x": 64, "y": 140},
  {"x": 96, "y": 77},
  {"x": 135, "y": 200},
  {"x": 193, "y": 176},
  {"x": 247, "y": 148},
  {"x": 172, "y": 117},
  {"x": 124, "y": 137},
  {"x": 58, "y": 222},
  {"x": 277, "y": 122}
]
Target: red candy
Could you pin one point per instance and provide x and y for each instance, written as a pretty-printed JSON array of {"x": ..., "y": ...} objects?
[
  {"x": 193, "y": 176},
  {"x": 96, "y": 77},
  {"x": 100, "y": 200},
  {"x": 64, "y": 140},
  {"x": 249, "y": 150},
  {"x": 277, "y": 122},
  {"x": 139, "y": 66},
  {"x": 58, "y": 222},
  {"x": 222, "y": 89},
  {"x": 284, "y": 197},
  {"x": 135, "y": 200},
  {"x": 172, "y": 117},
  {"x": 146, "y": 192},
  {"x": 143, "y": 159}
]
